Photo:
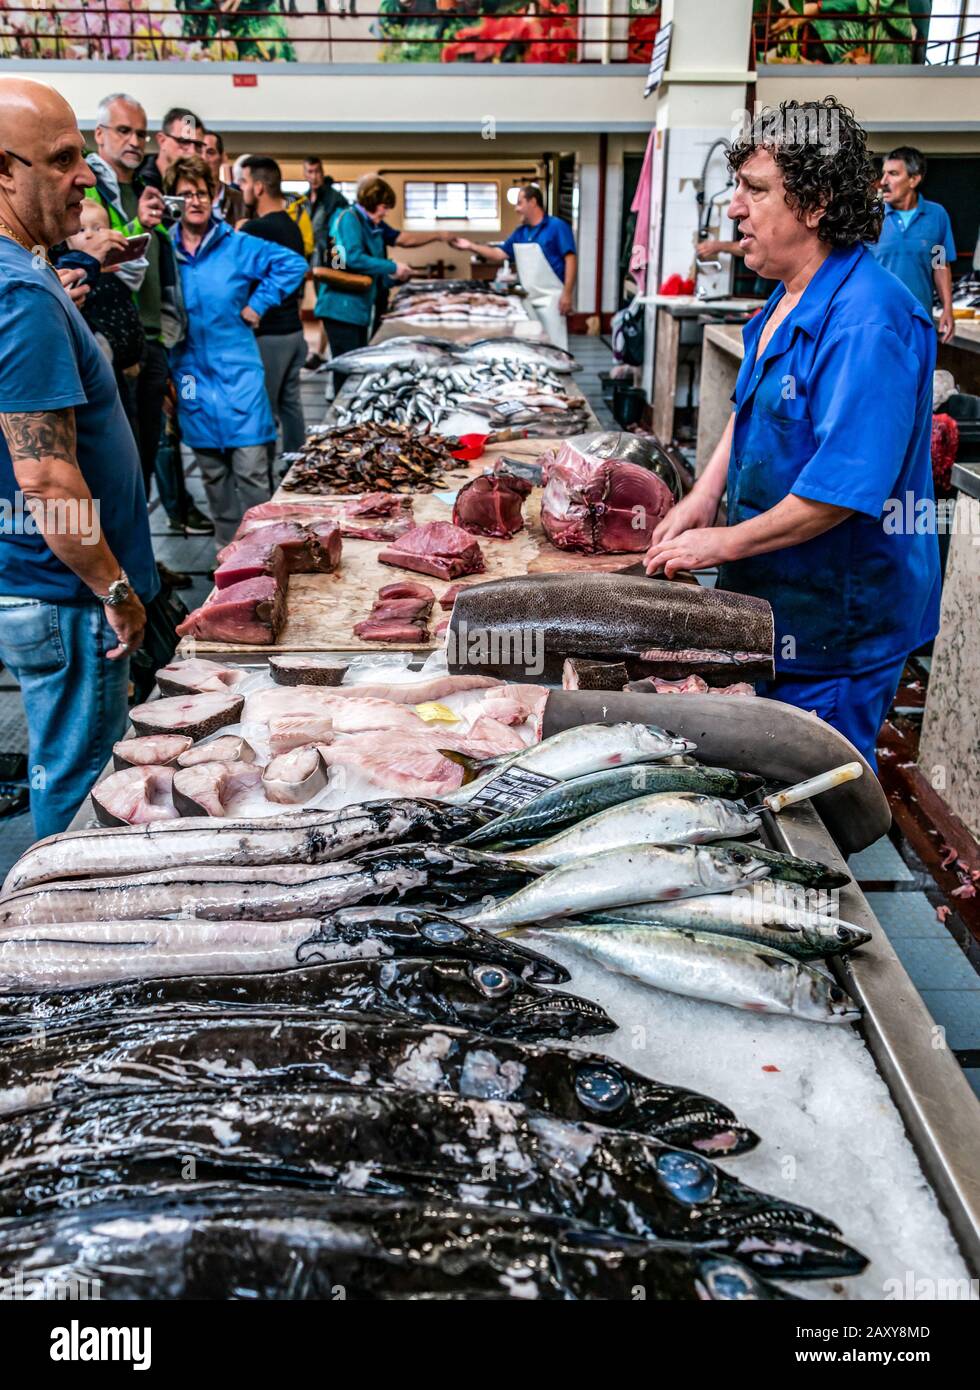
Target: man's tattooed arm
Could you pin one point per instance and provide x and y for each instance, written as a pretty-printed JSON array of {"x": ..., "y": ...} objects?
[{"x": 40, "y": 434}]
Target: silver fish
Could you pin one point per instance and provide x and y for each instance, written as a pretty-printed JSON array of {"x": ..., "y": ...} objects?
[
  {"x": 717, "y": 969},
  {"x": 759, "y": 915},
  {"x": 638, "y": 873},
  {"x": 299, "y": 837},
  {"x": 575, "y": 752},
  {"x": 68, "y": 954},
  {"x": 664, "y": 818},
  {"x": 519, "y": 350}
]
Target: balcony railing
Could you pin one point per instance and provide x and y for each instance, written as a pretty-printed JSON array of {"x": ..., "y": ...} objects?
[
  {"x": 864, "y": 32},
  {"x": 331, "y": 31}
]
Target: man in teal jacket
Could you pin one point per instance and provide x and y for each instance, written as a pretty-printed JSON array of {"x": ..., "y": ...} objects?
[
  {"x": 358, "y": 246},
  {"x": 229, "y": 281}
]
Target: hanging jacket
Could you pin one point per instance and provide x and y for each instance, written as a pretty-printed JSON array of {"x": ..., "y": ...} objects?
[
  {"x": 359, "y": 247},
  {"x": 173, "y": 319},
  {"x": 222, "y": 402}
]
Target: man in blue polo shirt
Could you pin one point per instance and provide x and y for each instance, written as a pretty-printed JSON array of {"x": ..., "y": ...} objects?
[
  {"x": 916, "y": 241},
  {"x": 826, "y": 456},
  {"x": 543, "y": 250},
  {"x": 75, "y": 553}
]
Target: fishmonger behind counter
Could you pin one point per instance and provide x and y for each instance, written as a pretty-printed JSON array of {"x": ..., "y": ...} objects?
[{"x": 827, "y": 450}]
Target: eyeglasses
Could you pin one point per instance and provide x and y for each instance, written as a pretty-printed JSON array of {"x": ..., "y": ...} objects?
[
  {"x": 196, "y": 197},
  {"x": 20, "y": 158},
  {"x": 125, "y": 130},
  {"x": 184, "y": 142}
]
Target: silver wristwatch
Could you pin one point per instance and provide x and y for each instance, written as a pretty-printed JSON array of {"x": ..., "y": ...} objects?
[{"x": 119, "y": 592}]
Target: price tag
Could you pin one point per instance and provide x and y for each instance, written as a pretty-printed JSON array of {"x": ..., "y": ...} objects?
[
  {"x": 515, "y": 787},
  {"x": 507, "y": 408}
]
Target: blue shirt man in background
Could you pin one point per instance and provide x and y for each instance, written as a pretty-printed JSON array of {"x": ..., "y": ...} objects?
[
  {"x": 555, "y": 238},
  {"x": 76, "y": 560},
  {"x": 826, "y": 457},
  {"x": 916, "y": 241}
]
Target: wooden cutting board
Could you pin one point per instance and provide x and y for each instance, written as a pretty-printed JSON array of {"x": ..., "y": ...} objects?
[{"x": 322, "y": 609}]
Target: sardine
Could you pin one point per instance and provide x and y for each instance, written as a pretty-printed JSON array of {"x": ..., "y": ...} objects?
[
  {"x": 229, "y": 1241},
  {"x": 638, "y": 873},
  {"x": 220, "y": 1048},
  {"x": 665, "y": 818},
  {"x": 411, "y": 1144},
  {"x": 301, "y": 837},
  {"x": 572, "y": 801},
  {"x": 719, "y": 969},
  {"x": 519, "y": 350},
  {"x": 574, "y": 753},
  {"x": 760, "y": 915}
]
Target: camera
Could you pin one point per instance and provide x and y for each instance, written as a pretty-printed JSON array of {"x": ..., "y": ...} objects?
[{"x": 173, "y": 206}]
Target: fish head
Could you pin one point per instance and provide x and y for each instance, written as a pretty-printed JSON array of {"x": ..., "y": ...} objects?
[
  {"x": 723, "y": 1280},
  {"x": 822, "y": 999},
  {"x": 723, "y": 869},
  {"x": 767, "y": 1233},
  {"x": 497, "y": 1000},
  {"x": 687, "y": 1119},
  {"x": 434, "y": 934},
  {"x": 835, "y": 940}
]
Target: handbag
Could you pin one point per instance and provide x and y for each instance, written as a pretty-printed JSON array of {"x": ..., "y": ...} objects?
[{"x": 347, "y": 280}]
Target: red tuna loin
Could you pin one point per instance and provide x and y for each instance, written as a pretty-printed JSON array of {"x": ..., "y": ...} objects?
[
  {"x": 407, "y": 588},
  {"x": 437, "y": 548},
  {"x": 327, "y": 535},
  {"x": 491, "y": 504},
  {"x": 252, "y": 612},
  {"x": 390, "y": 504},
  {"x": 390, "y": 630},
  {"x": 251, "y": 559},
  {"x": 601, "y": 505}
]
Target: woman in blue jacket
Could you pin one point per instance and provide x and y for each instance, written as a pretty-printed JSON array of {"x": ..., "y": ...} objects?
[
  {"x": 229, "y": 281},
  {"x": 358, "y": 246}
]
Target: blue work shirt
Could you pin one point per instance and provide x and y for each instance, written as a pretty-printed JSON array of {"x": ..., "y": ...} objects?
[
  {"x": 49, "y": 360},
  {"x": 555, "y": 238},
  {"x": 839, "y": 410},
  {"x": 910, "y": 248}
]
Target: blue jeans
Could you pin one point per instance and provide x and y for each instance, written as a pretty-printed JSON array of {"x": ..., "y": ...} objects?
[
  {"x": 856, "y": 705},
  {"x": 75, "y": 700}
]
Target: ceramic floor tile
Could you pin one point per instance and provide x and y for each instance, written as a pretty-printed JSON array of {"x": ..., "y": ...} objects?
[
  {"x": 958, "y": 1012},
  {"x": 907, "y": 915},
  {"x": 939, "y": 965},
  {"x": 880, "y": 861}
]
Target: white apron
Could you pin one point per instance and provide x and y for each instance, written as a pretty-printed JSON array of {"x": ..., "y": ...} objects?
[{"x": 544, "y": 290}]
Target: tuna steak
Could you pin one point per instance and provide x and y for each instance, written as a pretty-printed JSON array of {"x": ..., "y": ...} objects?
[
  {"x": 655, "y": 625},
  {"x": 437, "y": 548},
  {"x": 227, "y": 748},
  {"x": 193, "y": 715},
  {"x": 251, "y": 559},
  {"x": 252, "y": 612}
]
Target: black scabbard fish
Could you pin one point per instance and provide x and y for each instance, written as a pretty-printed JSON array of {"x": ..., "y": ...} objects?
[
  {"x": 218, "y": 1048},
  {"x": 412, "y": 1144}
]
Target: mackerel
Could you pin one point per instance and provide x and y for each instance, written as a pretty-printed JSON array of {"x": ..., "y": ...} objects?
[
  {"x": 719, "y": 969},
  {"x": 635, "y": 874},
  {"x": 759, "y": 916},
  {"x": 573, "y": 800},
  {"x": 300, "y": 837},
  {"x": 665, "y": 818},
  {"x": 574, "y": 753},
  {"x": 789, "y": 868}
]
